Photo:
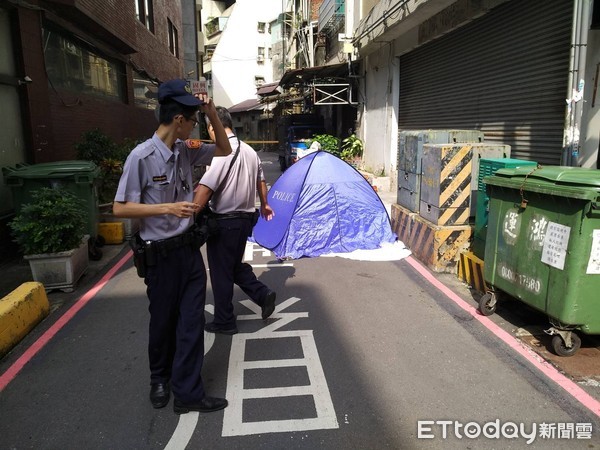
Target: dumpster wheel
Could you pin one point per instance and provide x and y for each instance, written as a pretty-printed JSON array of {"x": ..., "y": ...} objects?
[
  {"x": 560, "y": 347},
  {"x": 487, "y": 303}
]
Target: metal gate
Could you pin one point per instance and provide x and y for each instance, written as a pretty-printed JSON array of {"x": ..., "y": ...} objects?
[{"x": 505, "y": 73}]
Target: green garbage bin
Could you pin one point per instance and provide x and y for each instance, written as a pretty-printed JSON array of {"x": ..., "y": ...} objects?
[
  {"x": 487, "y": 167},
  {"x": 543, "y": 247},
  {"x": 78, "y": 177}
]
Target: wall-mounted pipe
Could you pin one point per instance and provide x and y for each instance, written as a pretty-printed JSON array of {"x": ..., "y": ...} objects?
[{"x": 576, "y": 86}]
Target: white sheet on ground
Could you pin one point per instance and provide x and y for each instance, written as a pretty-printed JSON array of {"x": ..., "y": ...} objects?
[{"x": 394, "y": 251}]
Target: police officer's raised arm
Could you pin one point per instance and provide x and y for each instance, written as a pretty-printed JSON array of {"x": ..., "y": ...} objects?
[{"x": 221, "y": 140}]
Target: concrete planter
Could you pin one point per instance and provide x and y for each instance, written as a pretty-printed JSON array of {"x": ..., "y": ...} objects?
[{"x": 60, "y": 270}]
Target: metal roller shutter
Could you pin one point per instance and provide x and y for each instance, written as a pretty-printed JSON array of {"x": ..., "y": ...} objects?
[{"x": 505, "y": 73}]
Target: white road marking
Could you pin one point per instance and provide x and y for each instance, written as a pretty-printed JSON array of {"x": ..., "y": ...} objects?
[
  {"x": 325, "y": 414},
  {"x": 184, "y": 431},
  {"x": 233, "y": 424},
  {"x": 209, "y": 338},
  {"x": 187, "y": 422},
  {"x": 252, "y": 248},
  {"x": 273, "y": 265},
  {"x": 249, "y": 252}
]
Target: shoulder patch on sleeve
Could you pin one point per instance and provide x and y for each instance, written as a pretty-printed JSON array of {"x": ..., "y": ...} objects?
[{"x": 193, "y": 143}]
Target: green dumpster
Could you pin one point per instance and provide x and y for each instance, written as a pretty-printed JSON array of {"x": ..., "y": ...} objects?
[
  {"x": 543, "y": 247},
  {"x": 77, "y": 177},
  {"x": 487, "y": 167}
]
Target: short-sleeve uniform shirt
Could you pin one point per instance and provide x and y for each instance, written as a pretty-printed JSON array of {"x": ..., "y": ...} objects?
[
  {"x": 154, "y": 174},
  {"x": 237, "y": 193}
]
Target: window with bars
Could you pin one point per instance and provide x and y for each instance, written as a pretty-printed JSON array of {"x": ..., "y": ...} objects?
[
  {"x": 72, "y": 65},
  {"x": 145, "y": 13}
]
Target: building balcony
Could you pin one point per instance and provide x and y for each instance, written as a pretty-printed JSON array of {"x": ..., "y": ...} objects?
[
  {"x": 331, "y": 14},
  {"x": 215, "y": 26}
]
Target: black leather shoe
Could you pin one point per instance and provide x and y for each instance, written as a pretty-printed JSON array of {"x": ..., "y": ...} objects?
[
  {"x": 213, "y": 328},
  {"x": 207, "y": 404},
  {"x": 160, "y": 393},
  {"x": 269, "y": 304}
]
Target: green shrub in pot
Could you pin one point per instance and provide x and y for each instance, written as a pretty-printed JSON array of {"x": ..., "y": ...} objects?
[
  {"x": 328, "y": 143},
  {"x": 352, "y": 148},
  {"x": 53, "y": 221}
]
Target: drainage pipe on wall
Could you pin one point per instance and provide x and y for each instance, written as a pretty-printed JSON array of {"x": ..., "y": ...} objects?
[{"x": 577, "y": 57}]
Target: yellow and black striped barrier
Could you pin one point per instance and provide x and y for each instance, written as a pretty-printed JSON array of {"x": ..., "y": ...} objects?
[
  {"x": 402, "y": 220},
  {"x": 446, "y": 184},
  {"x": 436, "y": 246},
  {"x": 470, "y": 270}
]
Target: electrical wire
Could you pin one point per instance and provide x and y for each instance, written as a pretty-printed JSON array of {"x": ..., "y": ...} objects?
[{"x": 387, "y": 14}]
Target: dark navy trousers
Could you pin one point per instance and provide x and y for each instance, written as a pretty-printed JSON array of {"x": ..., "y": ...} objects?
[
  {"x": 225, "y": 253},
  {"x": 176, "y": 288}
]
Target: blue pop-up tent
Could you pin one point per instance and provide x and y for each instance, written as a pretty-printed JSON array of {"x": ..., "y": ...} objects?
[{"x": 323, "y": 205}]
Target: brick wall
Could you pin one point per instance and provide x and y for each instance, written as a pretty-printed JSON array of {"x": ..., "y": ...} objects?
[
  {"x": 54, "y": 120},
  {"x": 72, "y": 115},
  {"x": 153, "y": 49},
  {"x": 314, "y": 9}
]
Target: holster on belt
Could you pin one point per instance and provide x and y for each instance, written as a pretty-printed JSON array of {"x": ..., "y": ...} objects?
[
  {"x": 142, "y": 256},
  {"x": 146, "y": 254},
  {"x": 206, "y": 225}
]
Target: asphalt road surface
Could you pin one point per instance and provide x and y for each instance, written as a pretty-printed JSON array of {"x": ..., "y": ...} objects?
[{"x": 358, "y": 355}]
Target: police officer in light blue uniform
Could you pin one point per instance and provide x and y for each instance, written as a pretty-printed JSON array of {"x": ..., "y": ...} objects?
[{"x": 156, "y": 187}]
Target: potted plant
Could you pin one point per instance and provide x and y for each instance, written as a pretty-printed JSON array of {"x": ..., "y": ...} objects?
[
  {"x": 352, "y": 150},
  {"x": 328, "y": 143},
  {"x": 99, "y": 148},
  {"x": 110, "y": 157},
  {"x": 111, "y": 169},
  {"x": 50, "y": 231}
]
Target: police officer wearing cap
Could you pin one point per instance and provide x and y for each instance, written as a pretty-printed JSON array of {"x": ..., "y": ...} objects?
[
  {"x": 156, "y": 187},
  {"x": 232, "y": 183}
]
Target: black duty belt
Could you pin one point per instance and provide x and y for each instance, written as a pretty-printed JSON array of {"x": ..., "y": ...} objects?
[
  {"x": 234, "y": 215},
  {"x": 166, "y": 245}
]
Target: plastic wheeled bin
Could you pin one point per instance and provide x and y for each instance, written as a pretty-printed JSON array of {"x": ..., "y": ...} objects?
[
  {"x": 78, "y": 177},
  {"x": 543, "y": 247},
  {"x": 487, "y": 167}
]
